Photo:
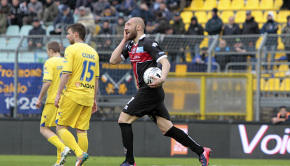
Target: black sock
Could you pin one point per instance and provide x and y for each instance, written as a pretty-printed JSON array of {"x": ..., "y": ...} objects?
[
  {"x": 127, "y": 138},
  {"x": 184, "y": 139}
]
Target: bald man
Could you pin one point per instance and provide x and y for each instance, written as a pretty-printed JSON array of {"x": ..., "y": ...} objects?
[
  {"x": 149, "y": 99},
  {"x": 232, "y": 28}
]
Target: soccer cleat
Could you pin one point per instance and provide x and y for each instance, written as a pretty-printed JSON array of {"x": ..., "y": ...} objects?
[
  {"x": 64, "y": 155},
  {"x": 80, "y": 160},
  {"x": 127, "y": 164},
  {"x": 204, "y": 157},
  {"x": 56, "y": 164}
]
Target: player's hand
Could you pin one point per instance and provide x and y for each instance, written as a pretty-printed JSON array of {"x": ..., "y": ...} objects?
[
  {"x": 157, "y": 82},
  {"x": 125, "y": 35},
  {"x": 56, "y": 101},
  {"x": 38, "y": 103},
  {"x": 95, "y": 107}
]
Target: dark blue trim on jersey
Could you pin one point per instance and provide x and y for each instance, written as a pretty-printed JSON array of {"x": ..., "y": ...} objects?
[{"x": 66, "y": 71}]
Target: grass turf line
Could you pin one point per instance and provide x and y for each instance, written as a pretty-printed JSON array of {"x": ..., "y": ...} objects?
[{"x": 33, "y": 160}]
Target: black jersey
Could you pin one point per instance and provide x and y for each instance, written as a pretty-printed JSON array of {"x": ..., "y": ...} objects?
[{"x": 146, "y": 53}]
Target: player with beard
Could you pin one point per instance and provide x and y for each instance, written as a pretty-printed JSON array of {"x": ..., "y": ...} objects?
[
  {"x": 149, "y": 99},
  {"x": 80, "y": 77}
]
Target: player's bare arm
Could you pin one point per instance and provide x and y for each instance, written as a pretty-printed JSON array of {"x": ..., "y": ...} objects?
[
  {"x": 116, "y": 55},
  {"x": 63, "y": 80},
  {"x": 95, "y": 107},
  {"x": 165, "y": 70},
  {"x": 43, "y": 91}
]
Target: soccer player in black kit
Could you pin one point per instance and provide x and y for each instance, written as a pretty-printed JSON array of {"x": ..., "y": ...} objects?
[{"x": 149, "y": 99}]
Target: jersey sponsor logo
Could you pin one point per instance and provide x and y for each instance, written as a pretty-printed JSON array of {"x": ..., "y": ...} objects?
[
  {"x": 140, "y": 49},
  {"x": 85, "y": 55},
  {"x": 79, "y": 84},
  {"x": 154, "y": 44},
  {"x": 59, "y": 67},
  {"x": 134, "y": 50},
  {"x": 46, "y": 72}
]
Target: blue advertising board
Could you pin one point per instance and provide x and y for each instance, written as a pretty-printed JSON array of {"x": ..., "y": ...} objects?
[
  {"x": 29, "y": 86},
  {"x": 117, "y": 80}
]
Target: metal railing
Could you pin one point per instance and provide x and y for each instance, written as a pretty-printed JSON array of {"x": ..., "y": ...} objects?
[{"x": 251, "y": 45}]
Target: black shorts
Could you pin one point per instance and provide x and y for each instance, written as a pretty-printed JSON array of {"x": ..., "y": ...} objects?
[{"x": 148, "y": 101}]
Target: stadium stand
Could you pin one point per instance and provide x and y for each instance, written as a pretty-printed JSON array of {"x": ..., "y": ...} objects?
[
  {"x": 252, "y": 4},
  {"x": 12, "y": 30},
  {"x": 237, "y": 5},
  {"x": 209, "y": 4},
  {"x": 273, "y": 81},
  {"x": 225, "y": 15},
  {"x": 267, "y": 5},
  {"x": 224, "y": 5}
]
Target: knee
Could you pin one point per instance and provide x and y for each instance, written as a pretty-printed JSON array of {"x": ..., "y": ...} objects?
[{"x": 121, "y": 120}]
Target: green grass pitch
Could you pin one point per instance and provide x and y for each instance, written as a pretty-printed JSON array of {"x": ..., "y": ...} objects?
[{"x": 25, "y": 160}]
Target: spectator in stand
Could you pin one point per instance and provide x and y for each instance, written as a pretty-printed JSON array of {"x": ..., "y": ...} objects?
[
  {"x": 286, "y": 40},
  {"x": 127, "y": 7},
  {"x": 61, "y": 3},
  {"x": 222, "y": 59},
  {"x": 285, "y": 5},
  {"x": 178, "y": 25},
  {"x": 250, "y": 27},
  {"x": 50, "y": 11},
  {"x": 85, "y": 3},
  {"x": 150, "y": 28},
  {"x": 144, "y": 12},
  {"x": 239, "y": 47},
  {"x": 231, "y": 28},
  {"x": 175, "y": 52},
  {"x": 108, "y": 12},
  {"x": 63, "y": 19},
  {"x": 4, "y": 12},
  {"x": 270, "y": 27},
  {"x": 195, "y": 29},
  {"x": 35, "y": 9},
  {"x": 156, "y": 5},
  {"x": 173, "y": 5},
  {"x": 162, "y": 24},
  {"x": 105, "y": 29},
  {"x": 165, "y": 12},
  {"x": 34, "y": 42},
  {"x": 202, "y": 59},
  {"x": 17, "y": 12},
  {"x": 282, "y": 116},
  {"x": 215, "y": 24},
  {"x": 99, "y": 6},
  {"x": 120, "y": 25},
  {"x": 86, "y": 17}
]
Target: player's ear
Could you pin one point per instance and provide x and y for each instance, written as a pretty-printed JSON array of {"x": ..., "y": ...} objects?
[{"x": 139, "y": 27}]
